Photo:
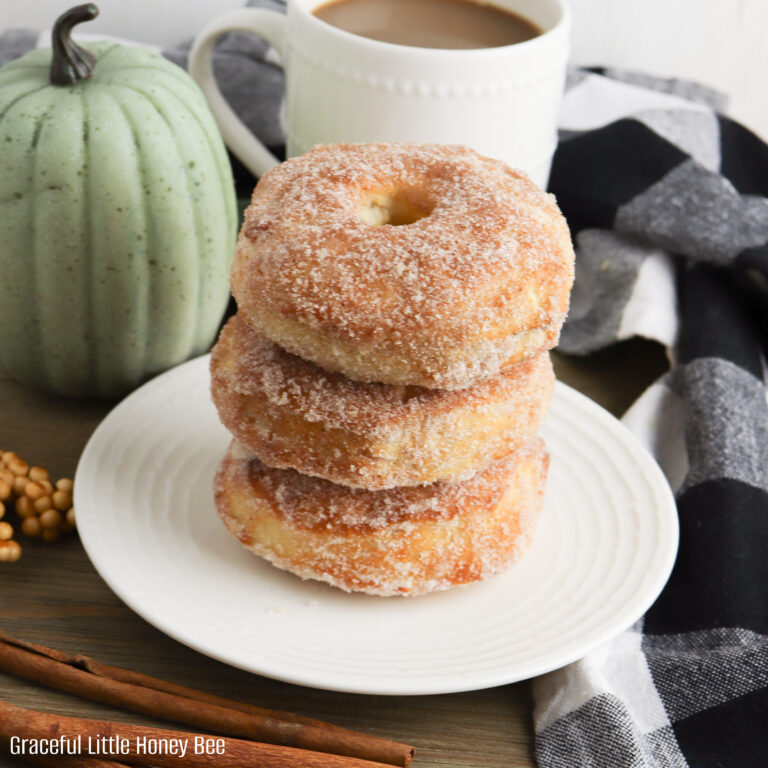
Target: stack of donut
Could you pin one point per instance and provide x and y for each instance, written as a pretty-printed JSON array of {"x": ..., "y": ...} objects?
[{"x": 388, "y": 368}]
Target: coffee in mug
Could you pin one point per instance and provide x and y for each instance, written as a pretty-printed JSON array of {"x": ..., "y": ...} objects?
[
  {"x": 501, "y": 98},
  {"x": 449, "y": 24}
]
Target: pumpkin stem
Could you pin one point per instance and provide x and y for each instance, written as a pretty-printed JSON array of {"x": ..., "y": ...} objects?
[{"x": 69, "y": 62}]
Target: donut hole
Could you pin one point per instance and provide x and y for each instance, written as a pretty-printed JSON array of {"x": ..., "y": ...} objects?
[{"x": 397, "y": 209}]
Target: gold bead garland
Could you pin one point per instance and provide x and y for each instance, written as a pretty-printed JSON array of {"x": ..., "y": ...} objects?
[{"x": 45, "y": 509}]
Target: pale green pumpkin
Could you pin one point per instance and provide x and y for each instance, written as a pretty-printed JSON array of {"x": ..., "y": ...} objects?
[{"x": 117, "y": 220}]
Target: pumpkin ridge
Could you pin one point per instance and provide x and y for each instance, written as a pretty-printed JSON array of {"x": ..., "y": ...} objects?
[
  {"x": 221, "y": 156},
  {"x": 185, "y": 308},
  {"x": 20, "y": 65},
  {"x": 101, "y": 56},
  {"x": 191, "y": 87},
  {"x": 143, "y": 181},
  {"x": 198, "y": 234},
  {"x": 19, "y": 98},
  {"x": 29, "y": 69},
  {"x": 208, "y": 131},
  {"x": 88, "y": 238},
  {"x": 43, "y": 371},
  {"x": 227, "y": 189},
  {"x": 38, "y": 130},
  {"x": 16, "y": 66}
]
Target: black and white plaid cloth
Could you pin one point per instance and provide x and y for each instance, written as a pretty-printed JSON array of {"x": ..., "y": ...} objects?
[{"x": 668, "y": 205}]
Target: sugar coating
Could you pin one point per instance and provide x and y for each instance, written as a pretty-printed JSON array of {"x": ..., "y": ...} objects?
[
  {"x": 401, "y": 541},
  {"x": 309, "y": 502},
  {"x": 442, "y": 308},
  {"x": 292, "y": 413},
  {"x": 258, "y": 365},
  {"x": 450, "y": 297}
]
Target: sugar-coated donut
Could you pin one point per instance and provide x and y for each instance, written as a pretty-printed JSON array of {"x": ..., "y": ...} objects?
[
  {"x": 403, "y": 541},
  {"x": 293, "y": 414},
  {"x": 408, "y": 264}
]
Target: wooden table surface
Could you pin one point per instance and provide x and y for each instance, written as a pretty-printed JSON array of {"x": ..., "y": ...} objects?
[{"x": 55, "y": 597}]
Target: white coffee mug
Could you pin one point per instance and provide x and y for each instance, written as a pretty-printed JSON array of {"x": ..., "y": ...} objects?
[{"x": 341, "y": 87}]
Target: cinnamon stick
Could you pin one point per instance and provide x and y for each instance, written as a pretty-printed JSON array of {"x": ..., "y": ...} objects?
[
  {"x": 136, "y": 744},
  {"x": 75, "y": 761},
  {"x": 146, "y": 681},
  {"x": 70, "y": 761},
  {"x": 56, "y": 670}
]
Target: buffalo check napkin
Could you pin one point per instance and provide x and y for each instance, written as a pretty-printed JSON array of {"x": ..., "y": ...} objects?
[{"x": 668, "y": 205}]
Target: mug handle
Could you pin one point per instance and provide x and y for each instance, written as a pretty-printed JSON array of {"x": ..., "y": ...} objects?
[{"x": 267, "y": 24}]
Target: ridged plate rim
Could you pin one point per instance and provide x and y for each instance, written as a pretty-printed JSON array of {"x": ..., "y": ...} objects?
[{"x": 183, "y": 391}]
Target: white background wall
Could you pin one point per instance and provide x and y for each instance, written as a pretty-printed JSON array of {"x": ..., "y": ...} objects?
[{"x": 719, "y": 42}]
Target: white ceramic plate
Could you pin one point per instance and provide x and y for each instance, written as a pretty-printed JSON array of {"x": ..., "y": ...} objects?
[{"x": 604, "y": 548}]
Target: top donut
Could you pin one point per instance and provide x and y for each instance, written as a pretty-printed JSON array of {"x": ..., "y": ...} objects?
[{"x": 408, "y": 264}]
